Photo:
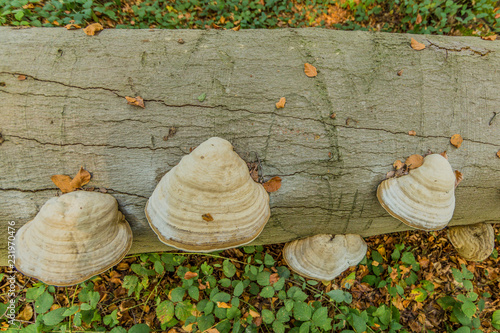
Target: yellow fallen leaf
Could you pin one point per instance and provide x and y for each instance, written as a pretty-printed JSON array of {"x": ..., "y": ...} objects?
[
  {"x": 72, "y": 26},
  {"x": 137, "y": 101},
  {"x": 414, "y": 161},
  {"x": 272, "y": 185},
  {"x": 26, "y": 313},
  {"x": 63, "y": 182},
  {"x": 254, "y": 314},
  {"x": 81, "y": 178},
  {"x": 189, "y": 275},
  {"x": 498, "y": 154},
  {"x": 310, "y": 70},
  {"x": 416, "y": 45},
  {"x": 491, "y": 37},
  {"x": 398, "y": 165},
  {"x": 412, "y": 133},
  {"x": 281, "y": 103},
  {"x": 444, "y": 154},
  {"x": 456, "y": 140},
  {"x": 223, "y": 305},
  {"x": 93, "y": 28}
]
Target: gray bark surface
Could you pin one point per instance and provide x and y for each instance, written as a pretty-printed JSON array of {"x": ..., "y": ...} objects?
[{"x": 71, "y": 111}]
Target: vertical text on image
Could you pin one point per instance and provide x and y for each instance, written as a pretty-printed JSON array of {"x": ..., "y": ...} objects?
[{"x": 11, "y": 258}]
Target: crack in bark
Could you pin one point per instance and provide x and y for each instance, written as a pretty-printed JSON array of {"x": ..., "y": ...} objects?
[
  {"x": 28, "y": 191},
  {"x": 126, "y": 193},
  {"x": 88, "y": 145},
  {"x": 463, "y": 48}
]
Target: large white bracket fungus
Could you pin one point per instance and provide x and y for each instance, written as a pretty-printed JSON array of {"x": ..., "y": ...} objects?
[
  {"x": 208, "y": 201},
  {"x": 72, "y": 238},
  {"x": 423, "y": 199},
  {"x": 324, "y": 257},
  {"x": 473, "y": 242}
]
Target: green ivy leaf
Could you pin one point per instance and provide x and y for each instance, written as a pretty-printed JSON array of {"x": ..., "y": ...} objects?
[
  {"x": 263, "y": 278},
  {"x": 358, "y": 323},
  {"x": 469, "y": 308},
  {"x": 71, "y": 311},
  {"x": 228, "y": 268},
  {"x": 221, "y": 297},
  {"x": 336, "y": 295},
  {"x": 205, "y": 322},
  {"x": 278, "y": 327},
  {"x": 183, "y": 310},
  {"x": 267, "y": 316},
  {"x": 238, "y": 289},
  {"x": 495, "y": 319},
  {"x": 34, "y": 293},
  {"x": 177, "y": 294},
  {"x": 118, "y": 329},
  {"x": 202, "y": 97},
  {"x": 44, "y": 302},
  {"x": 267, "y": 292},
  {"x": 165, "y": 311},
  {"x": 283, "y": 315},
  {"x": 304, "y": 328},
  {"x": 139, "y": 328},
  {"x": 302, "y": 311},
  {"x": 194, "y": 292},
  {"x": 321, "y": 320},
  {"x": 54, "y": 317}
]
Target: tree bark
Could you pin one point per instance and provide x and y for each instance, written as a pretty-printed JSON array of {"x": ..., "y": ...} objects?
[{"x": 71, "y": 111}]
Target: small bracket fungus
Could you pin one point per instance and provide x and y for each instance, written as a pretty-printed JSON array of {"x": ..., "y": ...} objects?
[
  {"x": 423, "y": 199},
  {"x": 208, "y": 202},
  {"x": 324, "y": 257},
  {"x": 473, "y": 242},
  {"x": 72, "y": 238}
]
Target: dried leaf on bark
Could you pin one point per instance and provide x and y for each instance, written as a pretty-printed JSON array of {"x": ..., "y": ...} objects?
[
  {"x": 21, "y": 77},
  {"x": 93, "y": 28},
  {"x": 72, "y": 26},
  {"x": 137, "y": 101},
  {"x": 412, "y": 133},
  {"x": 310, "y": 70},
  {"x": 398, "y": 165},
  {"x": 63, "y": 182},
  {"x": 491, "y": 37},
  {"x": 444, "y": 154},
  {"x": 81, "y": 178},
  {"x": 498, "y": 154},
  {"x": 281, "y": 103},
  {"x": 456, "y": 140},
  {"x": 416, "y": 45},
  {"x": 458, "y": 177},
  {"x": 414, "y": 161},
  {"x": 272, "y": 185}
]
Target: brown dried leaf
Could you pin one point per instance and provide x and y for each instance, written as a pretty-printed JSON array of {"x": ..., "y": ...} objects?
[
  {"x": 390, "y": 174},
  {"x": 26, "y": 313},
  {"x": 310, "y": 70},
  {"x": 189, "y": 275},
  {"x": 253, "y": 313},
  {"x": 273, "y": 278},
  {"x": 21, "y": 77},
  {"x": 498, "y": 154},
  {"x": 211, "y": 330},
  {"x": 398, "y": 165},
  {"x": 458, "y": 177},
  {"x": 281, "y": 103},
  {"x": 416, "y": 45},
  {"x": 412, "y": 133},
  {"x": 72, "y": 26},
  {"x": 456, "y": 140},
  {"x": 122, "y": 266},
  {"x": 81, "y": 178},
  {"x": 400, "y": 72},
  {"x": 414, "y": 161},
  {"x": 253, "y": 167},
  {"x": 419, "y": 19},
  {"x": 63, "y": 182},
  {"x": 236, "y": 28},
  {"x": 137, "y": 101},
  {"x": 491, "y": 37},
  {"x": 207, "y": 217},
  {"x": 93, "y": 28},
  {"x": 444, "y": 154},
  {"x": 333, "y": 115},
  {"x": 272, "y": 185},
  {"x": 223, "y": 305}
]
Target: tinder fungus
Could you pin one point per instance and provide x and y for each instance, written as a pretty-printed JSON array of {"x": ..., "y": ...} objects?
[
  {"x": 423, "y": 199},
  {"x": 72, "y": 238},
  {"x": 208, "y": 201},
  {"x": 473, "y": 242},
  {"x": 324, "y": 257}
]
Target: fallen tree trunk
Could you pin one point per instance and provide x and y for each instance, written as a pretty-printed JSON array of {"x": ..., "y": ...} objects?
[{"x": 70, "y": 111}]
